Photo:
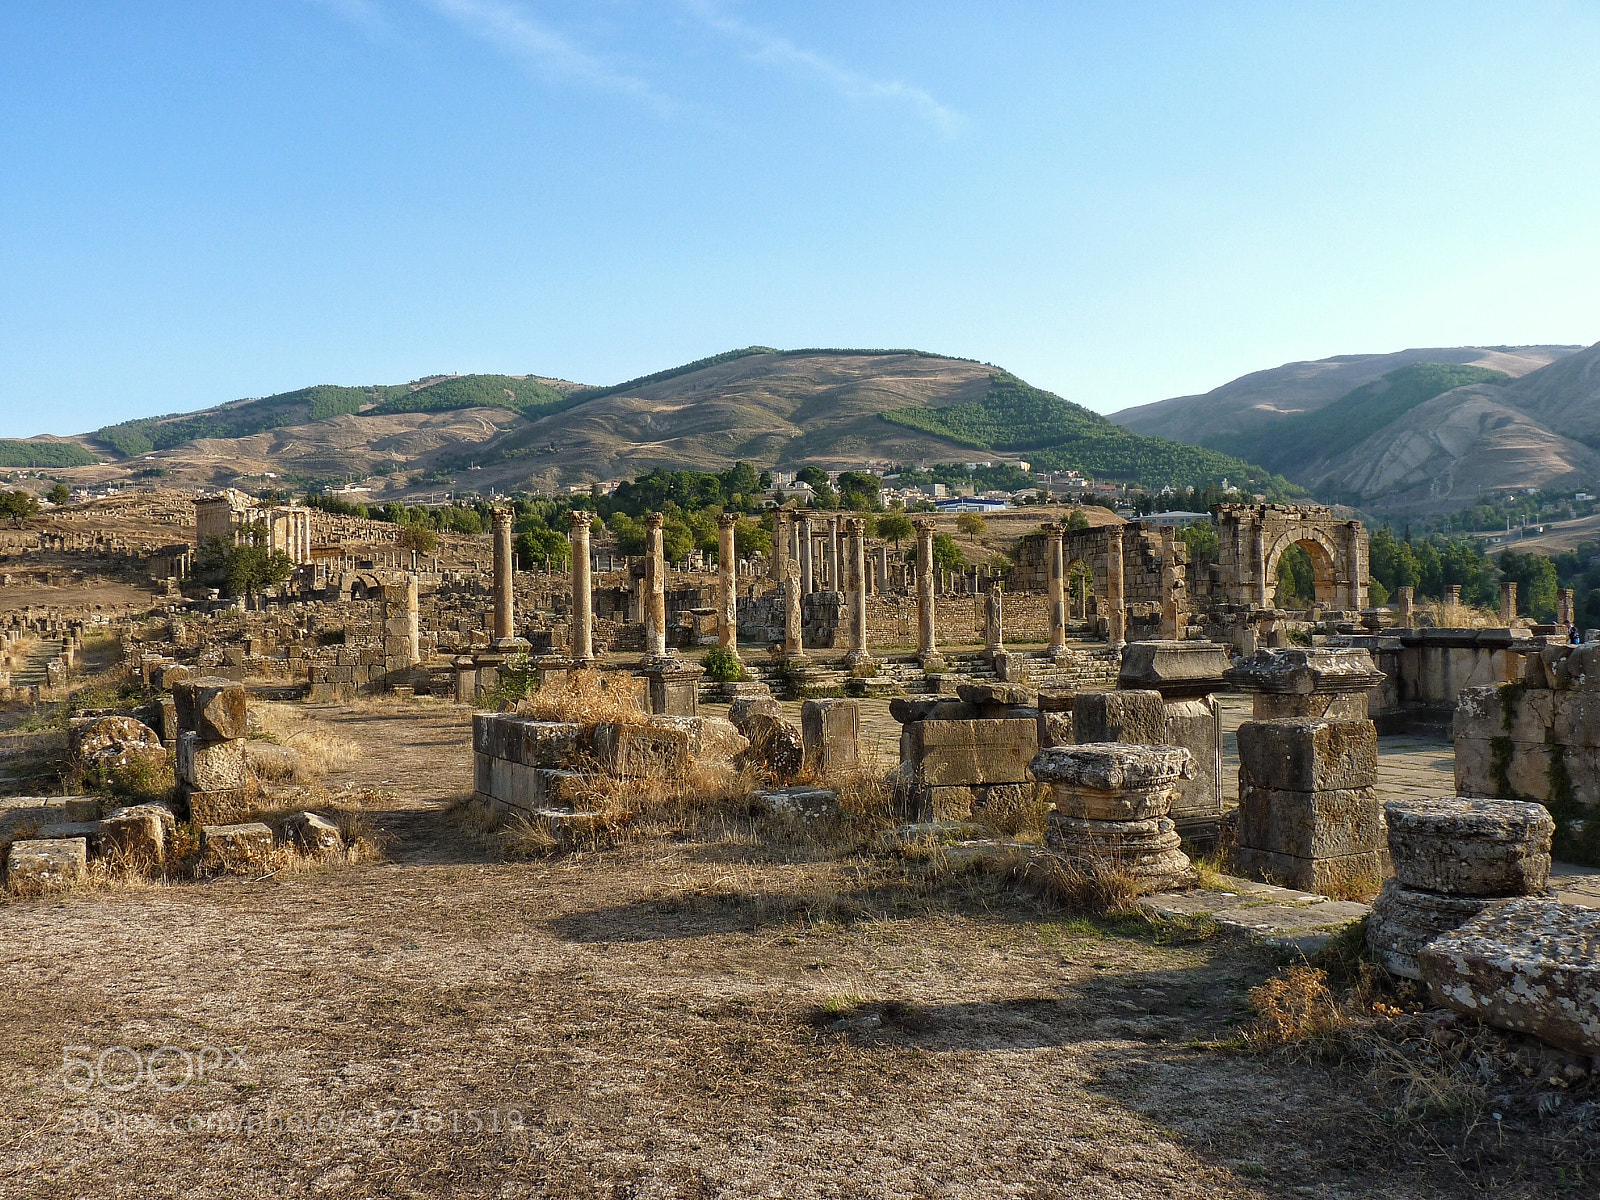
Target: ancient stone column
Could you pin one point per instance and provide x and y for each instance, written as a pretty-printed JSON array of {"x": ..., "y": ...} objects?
[
  {"x": 1173, "y": 622},
  {"x": 1258, "y": 554},
  {"x": 1452, "y": 598},
  {"x": 1405, "y": 615},
  {"x": 581, "y": 644},
  {"x": 808, "y": 580},
  {"x": 504, "y": 578},
  {"x": 1566, "y": 607},
  {"x": 993, "y": 612},
  {"x": 780, "y": 546},
  {"x": 1508, "y": 602},
  {"x": 655, "y": 591},
  {"x": 1116, "y": 618},
  {"x": 728, "y": 595},
  {"x": 1057, "y": 593},
  {"x": 859, "y": 583},
  {"x": 836, "y": 581},
  {"x": 793, "y": 622},
  {"x": 927, "y": 646}
]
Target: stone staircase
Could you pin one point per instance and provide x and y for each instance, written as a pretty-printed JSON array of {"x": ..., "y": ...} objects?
[{"x": 32, "y": 670}]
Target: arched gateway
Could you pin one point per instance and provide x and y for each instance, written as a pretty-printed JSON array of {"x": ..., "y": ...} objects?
[{"x": 1251, "y": 538}]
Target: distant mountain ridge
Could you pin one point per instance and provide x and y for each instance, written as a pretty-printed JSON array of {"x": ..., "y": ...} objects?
[
  {"x": 1413, "y": 433},
  {"x": 766, "y": 406}
]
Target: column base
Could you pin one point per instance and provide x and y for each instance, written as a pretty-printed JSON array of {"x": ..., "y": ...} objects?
[
  {"x": 931, "y": 662},
  {"x": 511, "y": 645},
  {"x": 857, "y": 659}
]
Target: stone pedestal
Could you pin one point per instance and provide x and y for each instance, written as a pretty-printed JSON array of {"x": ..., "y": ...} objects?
[
  {"x": 674, "y": 687},
  {"x": 1111, "y": 803},
  {"x": 1186, "y": 674}
]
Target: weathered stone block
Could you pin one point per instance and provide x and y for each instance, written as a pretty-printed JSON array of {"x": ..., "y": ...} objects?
[
  {"x": 1343, "y": 875},
  {"x": 223, "y": 806},
  {"x": 167, "y": 818},
  {"x": 211, "y": 766},
  {"x": 135, "y": 836},
  {"x": 235, "y": 849},
  {"x": 830, "y": 731},
  {"x": 1404, "y": 920},
  {"x": 745, "y": 707},
  {"x": 1196, "y": 725},
  {"x": 639, "y": 751},
  {"x": 543, "y": 743},
  {"x": 37, "y": 866},
  {"x": 964, "y": 753},
  {"x": 776, "y": 748},
  {"x": 710, "y": 738},
  {"x": 1530, "y": 965},
  {"x": 800, "y": 803},
  {"x": 1469, "y": 847},
  {"x": 1325, "y": 824},
  {"x": 1055, "y": 729},
  {"x": 313, "y": 834},
  {"x": 1132, "y": 716},
  {"x": 214, "y": 707},
  {"x": 1307, "y": 756}
]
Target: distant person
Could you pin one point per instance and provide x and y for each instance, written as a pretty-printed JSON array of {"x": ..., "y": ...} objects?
[{"x": 1576, "y": 637}]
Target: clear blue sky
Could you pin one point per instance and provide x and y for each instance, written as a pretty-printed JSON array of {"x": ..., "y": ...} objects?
[{"x": 1118, "y": 201}]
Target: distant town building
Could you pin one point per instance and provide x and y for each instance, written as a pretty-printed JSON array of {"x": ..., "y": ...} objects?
[{"x": 971, "y": 504}]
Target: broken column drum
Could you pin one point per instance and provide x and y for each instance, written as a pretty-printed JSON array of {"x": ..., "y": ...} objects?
[
  {"x": 1111, "y": 805},
  {"x": 581, "y": 642},
  {"x": 927, "y": 645},
  {"x": 728, "y": 593},
  {"x": 1454, "y": 857}
]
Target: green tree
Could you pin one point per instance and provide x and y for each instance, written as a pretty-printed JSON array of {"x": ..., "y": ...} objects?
[
  {"x": 1201, "y": 539},
  {"x": 677, "y": 539},
  {"x": 972, "y": 524},
  {"x": 1077, "y": 520},
  {"x": 1535, "y": 577},
  {"x": 946, "y": 553},
  {"x": 629, "y": 533},
  {"x": 59, "y": 494},
  {"x": 19, "y": 506},
  {"x": 1296, "y": 580},
  {"x": 247, "y": 566},
  {"x": 895, "y": 527},
  {"x": 751, "y": 538},
  {"x": 418, "y": 537}
]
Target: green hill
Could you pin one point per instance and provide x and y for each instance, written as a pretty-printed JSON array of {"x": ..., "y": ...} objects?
[
  {"x": 1058, "y": 435},
  {"x": 525, "y": 396},
  {"x": 15, "y": 453},
  {"x": 1297, "y": 441}
]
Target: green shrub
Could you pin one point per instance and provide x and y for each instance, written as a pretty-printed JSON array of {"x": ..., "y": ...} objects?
[{"x": 722, "y": 666}]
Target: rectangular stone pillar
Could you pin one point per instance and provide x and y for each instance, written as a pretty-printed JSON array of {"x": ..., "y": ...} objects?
[{"x": 1508, "y": 602}]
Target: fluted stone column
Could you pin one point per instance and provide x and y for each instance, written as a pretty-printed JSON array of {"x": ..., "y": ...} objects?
[
  {"x": 927, "y": 643},
  {"x": 655, "y": 591},
  {"x": 808, "y": 579},
  {"x": 728, "y": 595},
  {"x": 581, "y": 643},
  {"x": 1116, "y": 617},
  {"x": 780, "y": 546},
  {"x": 1258, "y": 553},
  {"x": 859, "y": 582},
  {"x": 1508, "y": 602},
  {"x": 793, "y": 639},
  {"x": 504, "y": 579},
  {"x": 1058, "y": 591}
]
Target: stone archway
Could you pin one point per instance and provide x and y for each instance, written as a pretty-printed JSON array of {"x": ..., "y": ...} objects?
[{"x": 1251, "y": 538}]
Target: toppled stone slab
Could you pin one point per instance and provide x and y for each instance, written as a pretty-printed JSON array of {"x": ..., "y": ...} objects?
[
  {"x": 1461, "y": 846},
  {"x": 715, "y": 738},
  {"x": 37, "y": 866},
  {"x": 802, "y": 803},
  {"x": 1529, "y": 965},
  {"x": 1293, "y": 671},
  {"x": 163, "y": 814},
  {"x": 745, "y": 707},
  {"x": 313, "y": 834},
  {"x": 986, "y": 694},
  {"x": 235, "y": 849},
  {"x": 1282, "y": 918}
]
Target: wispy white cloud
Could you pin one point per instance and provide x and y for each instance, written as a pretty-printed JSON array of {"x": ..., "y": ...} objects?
[
  {"x": 510, "y": 29},
  {"x": 767, "y": 47}
]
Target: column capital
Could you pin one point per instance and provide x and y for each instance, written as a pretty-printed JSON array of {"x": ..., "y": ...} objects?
[
  {"x": 654, "y": 520},
  {"x": 727, "y": 520},
  {"x": 580, "y": 519},
  {"x": 856, "y": 525},
  {"x": 501, "y": 517}
]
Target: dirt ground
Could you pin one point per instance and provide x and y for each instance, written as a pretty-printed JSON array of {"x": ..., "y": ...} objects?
[{"x": 660, "y": 1020}]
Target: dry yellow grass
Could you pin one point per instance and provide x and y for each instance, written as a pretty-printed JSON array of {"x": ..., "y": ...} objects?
[
  {"x": 588, "y": 697},
  {"x": 296, "y": 745}
]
